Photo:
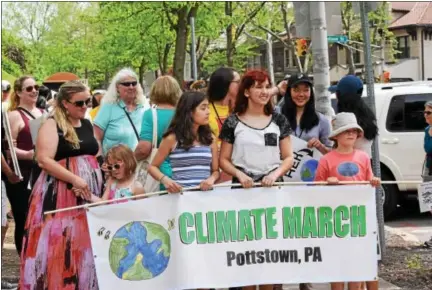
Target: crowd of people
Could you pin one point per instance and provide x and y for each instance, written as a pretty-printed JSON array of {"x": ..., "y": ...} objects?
[{"x": 120, "y": 144}]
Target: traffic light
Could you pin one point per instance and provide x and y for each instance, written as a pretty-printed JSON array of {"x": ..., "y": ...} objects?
[{"x": 301, "y": 47}]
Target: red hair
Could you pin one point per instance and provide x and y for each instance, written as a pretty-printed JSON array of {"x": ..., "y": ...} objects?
[{"x": 248, "y": 81}]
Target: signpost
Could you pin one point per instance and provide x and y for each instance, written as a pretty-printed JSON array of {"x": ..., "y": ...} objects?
[{"x": 337, "y": 38}]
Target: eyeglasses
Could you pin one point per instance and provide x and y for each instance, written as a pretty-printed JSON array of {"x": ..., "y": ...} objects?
[
  {"x": 237, "y": 82},
  {"x": 81, "y": 104},
  {"x": 112, "y": 167},
  {"x": 29, "y": 89},
  {"x": 128, "y": 84},
  {"x": 427, "y": 113}
]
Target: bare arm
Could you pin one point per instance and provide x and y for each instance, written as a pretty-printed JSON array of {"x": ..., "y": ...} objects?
[
  {"x": 164, "y": 150},
  {"x": 5, "y": 167},
  {"x": 17, "y": 124},
  {"x": 99, "y": 135},
  {"x": 143, "y": 150},
  {"x": 209, "y": 182},
  {"x": 225, "y": 159}
]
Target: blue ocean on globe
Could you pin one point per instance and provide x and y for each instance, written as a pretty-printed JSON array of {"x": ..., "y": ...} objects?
[
  {"x": 308, "y": 170},
  {"x": 139, "y": 251},
  {"x": 348, "y": 169}
]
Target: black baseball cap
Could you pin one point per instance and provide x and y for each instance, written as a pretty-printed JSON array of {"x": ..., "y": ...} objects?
[{"x": 296, "y": 79}]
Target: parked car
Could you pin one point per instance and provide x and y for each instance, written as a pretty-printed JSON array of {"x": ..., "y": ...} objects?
[{"x": 399, "y": 112}]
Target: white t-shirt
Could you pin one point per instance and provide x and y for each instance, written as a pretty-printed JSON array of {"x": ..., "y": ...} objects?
[{"x": 255, "y": 151}]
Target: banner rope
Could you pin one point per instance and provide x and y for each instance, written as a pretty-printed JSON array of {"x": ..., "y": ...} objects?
[{"x": 278, "y": 184}]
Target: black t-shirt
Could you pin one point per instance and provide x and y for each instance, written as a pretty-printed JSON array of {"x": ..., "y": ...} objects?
[{"x": 88, "y": 143}]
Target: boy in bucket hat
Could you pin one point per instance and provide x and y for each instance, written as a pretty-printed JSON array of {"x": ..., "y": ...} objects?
[{"x": 345, "y": 163}]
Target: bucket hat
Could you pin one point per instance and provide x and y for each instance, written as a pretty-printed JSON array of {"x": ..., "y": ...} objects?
[{"x": 343, "y": 122}]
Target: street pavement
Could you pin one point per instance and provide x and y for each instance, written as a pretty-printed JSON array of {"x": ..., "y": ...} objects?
[{"x": 412, "y": 222}]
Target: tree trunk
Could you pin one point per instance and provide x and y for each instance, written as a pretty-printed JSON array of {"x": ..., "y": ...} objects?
[
  {"x": 180, "y": 44},
  {"x": 165, "y": 58},
  {"x": 229, "y": 35},
  {"x": 351, "y": 65},
  {"x": 141, "y": 72},
  {"x": 107, "y": 79}
]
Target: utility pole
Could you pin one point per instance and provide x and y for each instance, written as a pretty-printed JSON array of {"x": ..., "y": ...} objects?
[
  {"x": 321, "y": 68},
  {"x": 371, "y": 102},
  {"x": 193, "y": 54}
]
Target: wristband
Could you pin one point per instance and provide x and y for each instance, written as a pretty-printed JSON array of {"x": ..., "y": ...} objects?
[{"x": 160, "y": 180}]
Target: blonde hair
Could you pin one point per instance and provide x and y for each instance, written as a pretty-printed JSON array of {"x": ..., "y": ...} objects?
[
  {"x": 123, "y": 153},
  {"x": 165, "y": 90},
  {"x": 18, "y": 87},
  {"x": 111, "y": 96},
  {"x": 67, "y": 90}
]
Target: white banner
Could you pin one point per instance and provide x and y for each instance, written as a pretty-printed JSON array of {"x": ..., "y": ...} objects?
[
  {"x": 227, "y": 238},
  {"x": 305, "y": 161},
  {"x": 425, "y": 196}
]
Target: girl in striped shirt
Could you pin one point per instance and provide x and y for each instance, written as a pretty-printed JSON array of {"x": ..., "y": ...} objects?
[{"x": 190, "y": 146}]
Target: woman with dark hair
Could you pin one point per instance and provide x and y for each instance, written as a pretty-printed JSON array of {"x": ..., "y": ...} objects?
[
  {"x": 349, "y": 92},
  {"x": 255, "y": 130},
  {"x": 222, "y": 91},
  {"x": 190, "y": 146},
  {"x": 299, "y": 108},
  {"x": 96, "y": 101}
]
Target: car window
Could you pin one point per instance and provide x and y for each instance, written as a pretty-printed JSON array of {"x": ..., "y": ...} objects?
[{"x": 405, "y": 113}]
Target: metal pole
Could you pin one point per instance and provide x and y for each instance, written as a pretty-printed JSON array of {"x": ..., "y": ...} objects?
[
  {"x": 193, "y": 54},
  {"x": 321, "y": 68},
  {"x": 371, "y": 102}
]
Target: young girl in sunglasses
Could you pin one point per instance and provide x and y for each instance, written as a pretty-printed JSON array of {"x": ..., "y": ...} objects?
[{"x": 121, "y": 164}]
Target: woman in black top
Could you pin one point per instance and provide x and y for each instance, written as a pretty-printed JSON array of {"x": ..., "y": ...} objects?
[{"x": 56, "y": 248}]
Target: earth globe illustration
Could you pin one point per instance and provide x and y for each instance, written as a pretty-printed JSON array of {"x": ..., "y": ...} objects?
[
  {"x": 139, "y": 251},
  {"x": 308, "y": 170}
]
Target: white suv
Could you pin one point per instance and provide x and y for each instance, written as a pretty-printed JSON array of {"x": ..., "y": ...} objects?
[{"x": 399, "y": 113}]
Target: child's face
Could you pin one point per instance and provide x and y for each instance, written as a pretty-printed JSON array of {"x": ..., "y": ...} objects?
[
  {"x": 117, "y": 168},
  {"x": 347, "y": 138},
  {"x": 201, "y": 114}
]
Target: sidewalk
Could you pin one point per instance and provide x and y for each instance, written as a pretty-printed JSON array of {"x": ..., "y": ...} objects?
[{"x": 384, "y": 285}]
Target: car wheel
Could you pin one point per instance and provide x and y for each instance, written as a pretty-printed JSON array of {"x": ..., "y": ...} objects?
[{"x": 390, "y": 196}]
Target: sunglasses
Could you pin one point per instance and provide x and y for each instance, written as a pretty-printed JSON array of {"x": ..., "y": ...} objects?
[
  {"x": 112, "y": 167},
  {"x": 427, "y": 113},
  {"x": 128, "y": 84},
  {"x": 29, "y": 89},
  {"x": 81, "y": 104}
]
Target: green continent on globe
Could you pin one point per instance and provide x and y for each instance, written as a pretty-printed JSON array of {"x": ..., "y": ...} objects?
[{"x": 139, "y": 251}]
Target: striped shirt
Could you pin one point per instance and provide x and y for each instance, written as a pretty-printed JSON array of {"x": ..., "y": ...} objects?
[{"x": 191, "y": 167}]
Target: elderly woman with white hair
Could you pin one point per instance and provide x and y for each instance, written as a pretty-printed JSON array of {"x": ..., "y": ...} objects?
[{"x": 119, "y": 118}]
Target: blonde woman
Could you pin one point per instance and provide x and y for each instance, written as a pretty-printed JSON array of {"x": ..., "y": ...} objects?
[
  {"x": 56, "y": 248},
  {"x": 164, "y": 94},
  {"x": 120, "y": 115},
  {"x": 22, "y": 109}
]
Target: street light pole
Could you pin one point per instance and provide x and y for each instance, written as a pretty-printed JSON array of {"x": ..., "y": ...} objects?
[{"x": 371, "y": 102}]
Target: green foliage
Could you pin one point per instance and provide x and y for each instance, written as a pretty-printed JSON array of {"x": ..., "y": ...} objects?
[{"x": 414, "y": 263}]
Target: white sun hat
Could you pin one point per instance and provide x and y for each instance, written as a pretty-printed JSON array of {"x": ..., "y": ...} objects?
[{"x": 343, "y": 122}]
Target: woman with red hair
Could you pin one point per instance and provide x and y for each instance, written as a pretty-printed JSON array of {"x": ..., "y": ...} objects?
[{"x": 254, "y": 129}]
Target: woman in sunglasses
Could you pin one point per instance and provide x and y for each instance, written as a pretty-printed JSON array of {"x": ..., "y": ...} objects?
[
  {"x": 120, "y": 115},
  {"x": 428, "y": 139},
  {"x": 22, "y": 109},
  {"x": 57, "y": 247}
]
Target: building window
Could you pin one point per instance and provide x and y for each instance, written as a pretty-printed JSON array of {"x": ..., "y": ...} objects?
[
  {"x": 406, "y": 113},
  {"x": 289, "y": 59},
  {"x": 402, "y": 47}
]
